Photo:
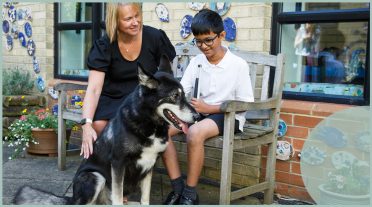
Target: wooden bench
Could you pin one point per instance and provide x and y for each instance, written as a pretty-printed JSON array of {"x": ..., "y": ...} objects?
[{"x": 264, "y": 108}]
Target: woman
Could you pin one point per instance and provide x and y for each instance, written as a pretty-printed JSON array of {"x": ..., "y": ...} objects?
[{"x": 113, "y": 62}]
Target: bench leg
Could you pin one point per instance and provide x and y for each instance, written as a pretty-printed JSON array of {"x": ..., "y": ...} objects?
[
  {"x": 227, "y": 156},
  {"x": 61, "y": 133},
  {"x": 270, "y": 173}
]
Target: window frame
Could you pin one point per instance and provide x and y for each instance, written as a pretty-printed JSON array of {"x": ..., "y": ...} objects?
[
  {"x": 321, "y": 16},
  {"x": 96, "y": 26}
]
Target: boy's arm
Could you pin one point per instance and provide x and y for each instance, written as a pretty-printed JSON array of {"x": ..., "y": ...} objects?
[
  {"x": 187, "y": 78},
  {"x": 244, "y": 90}
]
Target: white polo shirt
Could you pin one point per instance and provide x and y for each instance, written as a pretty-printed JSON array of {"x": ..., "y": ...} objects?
[{"x": 228, "y": 80}]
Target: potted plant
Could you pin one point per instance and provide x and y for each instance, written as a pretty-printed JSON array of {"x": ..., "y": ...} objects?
[
  {"x": 36, "y": 132},
  {"x": 348, "y": 184}
]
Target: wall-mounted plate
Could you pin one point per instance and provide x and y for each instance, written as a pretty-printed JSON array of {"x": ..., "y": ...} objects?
[
  {"x": 31, "y": 47},
  {"x": 6, "y": 26},
  {"x": 22, "y": 39},
  {"x": 28, "y": 29},
  {"x": 196, "y": 6},
  {"x": 35, "y": 64},
  {"x": 220, "y": 7},
  {"x": 185, "y": 30},
  {"x": 9, "y": 42},
  {"x": 40, "y": 83},
  {"x": 230, "y": 29},
  {"x": 162, "y": 12},
  {"x": 12, "y": 14}
]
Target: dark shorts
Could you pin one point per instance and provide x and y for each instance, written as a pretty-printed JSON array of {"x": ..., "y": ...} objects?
[
  {"x": 107, "y": 107},
  {"x": 219, "y": 119}
]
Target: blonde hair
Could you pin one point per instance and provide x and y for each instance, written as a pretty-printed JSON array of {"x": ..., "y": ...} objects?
[{"x": 112, "y": 17}]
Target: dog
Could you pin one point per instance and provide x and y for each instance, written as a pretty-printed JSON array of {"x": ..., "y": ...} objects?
[{"x": 126, "y": 151}]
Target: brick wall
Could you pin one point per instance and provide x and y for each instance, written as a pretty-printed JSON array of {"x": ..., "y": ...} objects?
[{"x": 301, "y": 117}]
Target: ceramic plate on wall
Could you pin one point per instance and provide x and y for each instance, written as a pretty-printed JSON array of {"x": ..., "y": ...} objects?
[
  {"x": 282, "y": 128},
  {"x": 12, "y": 13},
  {"x": 6, "y": 26},
  {"x": 31, "y": 47},
  {"x": 162, "y": 12},
  {"x": 196, "y": 6},
  {"x": 9, "y": 42},
  {"x": 22, "y": 39},
  {"x": 28, "y": 29},
  {"x": 185, "y": 30},
  {"x": 28, "y": 14},
  {"x": 220, "y": 7},
  {"x": 230, "y": 29},
  {"x": 40, "y": 83},
  {"x": 14, "y": 30},
  {"x": 35, "y": 64}
]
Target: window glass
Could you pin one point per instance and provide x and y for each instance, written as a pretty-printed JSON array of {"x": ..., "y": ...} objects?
[
  {"x": 325, "y": 58},
  {"x": 74, "y": 47},
  {"x": 290, "y": 7},
  {"x": 75, "y": 12}
]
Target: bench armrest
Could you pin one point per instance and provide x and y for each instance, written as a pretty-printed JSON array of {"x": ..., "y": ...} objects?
[
  {"x": 69, "y": 87},
  {"x": 231, "y": 106}
]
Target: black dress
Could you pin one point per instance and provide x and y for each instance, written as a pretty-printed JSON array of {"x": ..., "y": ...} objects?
[{"x": 121, "y": 74}]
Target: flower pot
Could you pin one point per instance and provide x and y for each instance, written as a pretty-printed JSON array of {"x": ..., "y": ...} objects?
[
  {"x": 331, "y": 198},
  {"x": 48, "y": 142}
]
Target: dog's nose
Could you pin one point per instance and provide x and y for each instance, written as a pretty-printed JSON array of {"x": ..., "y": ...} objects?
[{"x": 196, "y": 116}]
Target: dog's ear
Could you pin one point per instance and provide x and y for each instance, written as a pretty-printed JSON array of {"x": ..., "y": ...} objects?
[
  {"x": 165, "y": 65},
  {"x": 146, "y": 78}
]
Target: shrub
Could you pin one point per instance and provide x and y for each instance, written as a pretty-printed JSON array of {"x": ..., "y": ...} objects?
[{"x": 17, "y": 82}]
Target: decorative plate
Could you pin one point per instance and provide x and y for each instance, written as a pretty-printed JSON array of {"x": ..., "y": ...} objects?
[
  {"x": 22, "y": 39},
  {"x": 21, "y": 16},
  {"x": 162, "y": 12},
  {"x": 313, "y": 155},
  {"x": 183, "y": 61},
  {"x": 9, "y": 42},
  {"x": 76, "y": 101},
  {"x": 332, "y": 136},
  {"x": 14, "y": 30},
  {"x": 53, "y": 93},
  {"x": 230, "y": 28},
  {"x": 55, "y": 109},
  {"x": 28, "y": 14},
  {"x": 196, "y": 6},
  {"x": 12, "y": 14},
  {"x": 220, "y": 7},
  {"x": 40, "y": 83},
  {"x": 284, "y": 150},
  {"x": 35, "y": 64},
  {"x": 31, "y": 47},
  {"x": 7, "y": 4},
  {"x": 342, "y": 159},
  {"x": 282, "y": 128},
  {"x": 5, "y": 26},
  {"x": 185, "y": 30}
]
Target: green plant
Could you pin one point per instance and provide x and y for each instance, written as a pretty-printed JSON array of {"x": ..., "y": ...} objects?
[
  {"x": 351, "y": 179},
  {"x": 17, "y": 82},
  {"x": 19, "y": 135}
]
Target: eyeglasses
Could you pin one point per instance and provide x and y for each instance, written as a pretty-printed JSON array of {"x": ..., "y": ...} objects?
[{"x": 207, "y": 41}]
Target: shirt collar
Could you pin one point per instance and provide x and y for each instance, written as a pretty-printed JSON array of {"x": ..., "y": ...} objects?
[{"x": 224, "y": 63}]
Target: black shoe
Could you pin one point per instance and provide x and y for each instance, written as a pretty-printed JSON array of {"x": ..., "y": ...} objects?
[
  {"x": 172, "y": 199},
  {"x": 188, "y": 201}
]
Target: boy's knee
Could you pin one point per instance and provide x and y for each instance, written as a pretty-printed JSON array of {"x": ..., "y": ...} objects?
[{"x": 194, "y": 137}]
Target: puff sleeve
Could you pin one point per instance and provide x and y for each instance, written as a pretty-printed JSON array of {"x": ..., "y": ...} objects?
[
  {"x": 99, "y": 57},
  {"x": 165, "y": 46}
]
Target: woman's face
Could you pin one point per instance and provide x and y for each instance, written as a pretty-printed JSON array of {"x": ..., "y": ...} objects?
[{"x": 129, "y": 19}]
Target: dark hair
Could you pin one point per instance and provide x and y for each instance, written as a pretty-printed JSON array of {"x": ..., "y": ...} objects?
[{"x": 206, "y": 21}]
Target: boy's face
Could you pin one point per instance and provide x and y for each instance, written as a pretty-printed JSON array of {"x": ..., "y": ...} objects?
[{"x": 209, "y": 44}]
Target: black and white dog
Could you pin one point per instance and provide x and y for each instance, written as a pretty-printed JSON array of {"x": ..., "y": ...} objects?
[{"x": 126, "y": 151}]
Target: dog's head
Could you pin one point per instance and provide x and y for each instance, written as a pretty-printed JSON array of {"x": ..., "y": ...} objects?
[{"x": 167, "y": 95}]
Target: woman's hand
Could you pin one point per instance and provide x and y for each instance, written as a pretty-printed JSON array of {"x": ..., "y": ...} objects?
[{"x": 89, "y": 136}]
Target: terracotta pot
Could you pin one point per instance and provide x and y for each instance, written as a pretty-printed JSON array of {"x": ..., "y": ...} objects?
[{"x": 48, "y": 142}]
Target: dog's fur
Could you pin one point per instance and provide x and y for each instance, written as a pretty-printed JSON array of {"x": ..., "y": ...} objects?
[{"x": 126, "y": 151}]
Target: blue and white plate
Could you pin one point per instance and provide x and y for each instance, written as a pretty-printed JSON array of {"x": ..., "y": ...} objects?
[
  {"x": 12, "y": 14},
  {"x": 22, "y": 39},
  {"x": 230, "y": 29},
  {"x": 31, "y": 47},
  {"x": 220, "y": 7},
  {"x": 313, "y": 155},
  {"x": 21, "y": 15},
  {"x": 35, "y": 64},
  {"x": 284, "y": 150},
  {"x": 162, "y": 12},
  {"x": 9, "y": 42},
  {"x": 55, "y": 109},
  {"x": 185, "y": 30},
  {"x": 40, "y": 83},
  {"x": 28, "y": 12},
  {"x": 196, "y": 6},
  {"x": 6, "y": 26},
  {"x": 28, "y": 29},
  {"x": 14, "y": 30},
  {"x": 282, "y": 128},
  {"x": 53, "y": 93},
  {"x": 7, "y": 4}
]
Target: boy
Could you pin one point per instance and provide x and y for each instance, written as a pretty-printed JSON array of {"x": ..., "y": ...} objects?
[{"x": 222, "y": 76}]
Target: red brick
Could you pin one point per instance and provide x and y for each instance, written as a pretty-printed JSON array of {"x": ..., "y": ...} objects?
[
  {"x": 296, "y": 180},
  {"x": 326, "y": 109},
  {"x": 282, "y": 166},
  {"x": 287, "y": 118},
  {"x": 296, "y": 158},
  {"x": 299, "y": 193},
  {"x": 264, "y": 149},
  {"x": 281, "y": 188},
  {"x": 297, "y": 107},
  {"x": 282, "y": 177},
  {"x": 296, "y": 167},
  {"x": 298, "y": 132},
  {"x": 306, "y": 121},
  {"x": 298, "y": 144}
]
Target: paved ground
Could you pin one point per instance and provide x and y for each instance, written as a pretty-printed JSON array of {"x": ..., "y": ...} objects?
[{"x": 42, "y": 172}]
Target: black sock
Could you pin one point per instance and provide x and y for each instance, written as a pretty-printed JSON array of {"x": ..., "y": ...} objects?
[
  {"x": 189, "y": 192},
  {"x": 178, "y": 185}
]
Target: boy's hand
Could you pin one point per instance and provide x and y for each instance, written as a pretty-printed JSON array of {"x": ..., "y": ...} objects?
[{"x": 199, "y": 105}]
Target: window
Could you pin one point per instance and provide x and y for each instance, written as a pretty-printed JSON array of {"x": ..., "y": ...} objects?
[
  {"x": 77, "y": 25},
  {"x": 325, "y": 45}
]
